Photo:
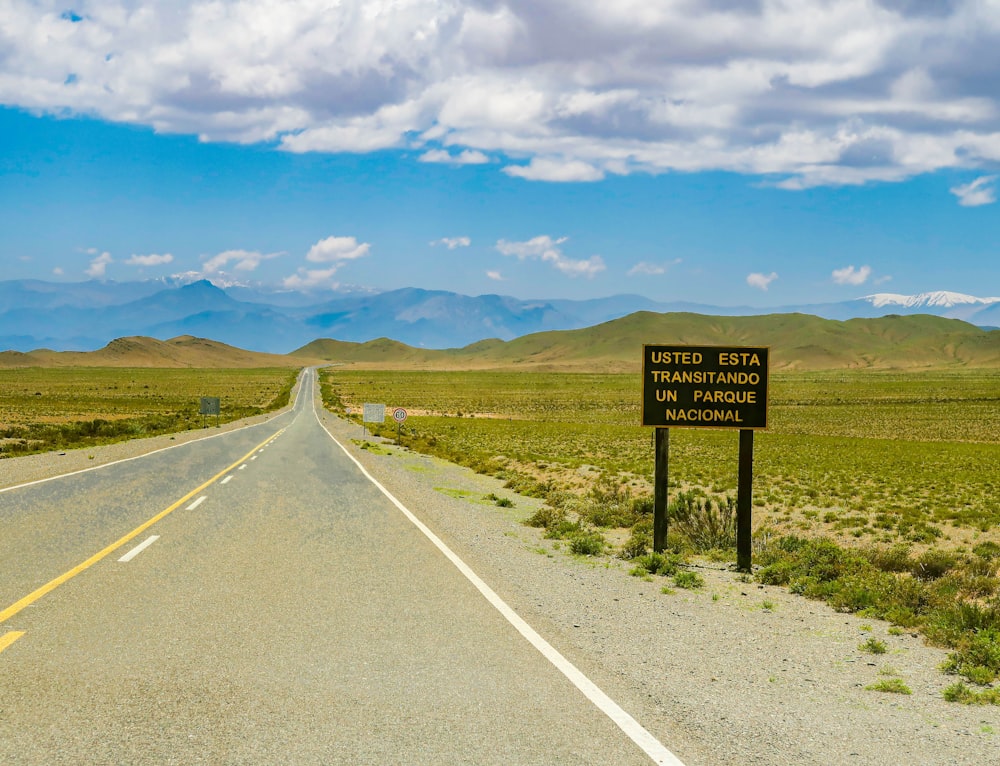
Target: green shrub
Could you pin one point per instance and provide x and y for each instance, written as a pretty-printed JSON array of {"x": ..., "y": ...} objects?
[
  {"x": 704, "y": 523},
  {"x": 689, "y": 580},
  {"x": 546, "y": 517},
  {"x": 563, "y": 529},
  {"x": 959, "y": 692},
  {"x": 655, "y": 563},
  {"x": 587, "y": 543},
  {"x": 890, "y": 686},
  {"x": 874, "y": 646},
  {"x": 933, "y": 564},
  {"x": 638, "y": 543}
]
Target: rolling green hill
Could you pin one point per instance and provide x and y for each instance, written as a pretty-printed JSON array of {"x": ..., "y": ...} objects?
[{"x": 797, "y": 342}]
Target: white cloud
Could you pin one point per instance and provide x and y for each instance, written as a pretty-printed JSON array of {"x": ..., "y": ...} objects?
[
  {"x": 465, "y": 157},
  {"x": 546, "y": 249},
  {"x": 99, "y": 265},
  {"x": 311, "y": 279},
  {"x": 452, "y": 242},
  {"x": 542, "y": 169},
  {"x": 644, "y": 268},
  {"x": 543, "y": 247},
  {"x": 978, "y": 192},
  {"x": 496, "y": 276},
  {"x": 761, "y": 281},
  {"x": 851, "y": 276},
  {"x": 337, "y": 250},
  {"x": 58, "y": 271},
  {"x": 808, "y": 93},
  {"x": 242, "y": 260},
  {"x": 150, "y": 260}
]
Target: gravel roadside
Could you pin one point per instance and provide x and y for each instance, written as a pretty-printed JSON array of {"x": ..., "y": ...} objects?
[{"x": 731, "y": 673}]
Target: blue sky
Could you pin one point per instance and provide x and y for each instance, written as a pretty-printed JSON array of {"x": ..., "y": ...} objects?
[{"x": 761, "y": 154}]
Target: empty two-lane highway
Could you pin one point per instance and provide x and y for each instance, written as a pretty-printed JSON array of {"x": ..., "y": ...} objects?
[{"x": 280, "y": 608}]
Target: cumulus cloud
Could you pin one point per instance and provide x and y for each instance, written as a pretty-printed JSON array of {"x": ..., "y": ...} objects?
[
  {"x": 643, "y": 268},
  {"x": 98, "y": 265},
  {"x": 805, "y": 93},
  {"x": 496, "y": 276},
  {"x": 150, "y": 260},
  {"x": 851, "y": 276},
  {"x": 337, "y": 250},
  {"x": 241, "y": 260},
  {"x": 334, "y": 252},
  {"x": 761, "y": 281},
  {"x": 466, "y": 157},
  {"x": 452, "y": 242},
  {"x": 311, "y": 279},
  {"x": 543, "y": 169},
  {"x": 546, "y": 249},
  {"x": 978, "y": 192}
]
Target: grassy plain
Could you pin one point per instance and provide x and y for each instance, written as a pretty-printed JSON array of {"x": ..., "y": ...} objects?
[
  {"x": 860, "y": 455},
  {"x": 878, "y": 492},
  {"x": 57, "y": 408}
]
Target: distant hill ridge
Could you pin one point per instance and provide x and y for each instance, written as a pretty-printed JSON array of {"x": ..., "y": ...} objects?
[
  {"x": 183, "y": 351},
  {"x": 797, "y": 342}
]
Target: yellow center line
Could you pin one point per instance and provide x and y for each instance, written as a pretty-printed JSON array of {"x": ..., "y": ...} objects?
[
  {"x": 50, "y": 586},
  {"x": 10, "y": 638}
]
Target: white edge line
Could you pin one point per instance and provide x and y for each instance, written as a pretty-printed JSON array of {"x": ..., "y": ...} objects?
[
  {"x": 139, "y": 549},
  {"x": 635, "y": 731},
  {"x": 153, "y": 452},
  {"x": 196, "y": 503}
]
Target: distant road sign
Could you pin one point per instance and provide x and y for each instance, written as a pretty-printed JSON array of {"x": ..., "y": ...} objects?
[
  {"x": 209, "y": 405},
  {"x": 399, "y": 414},
  {"x": 374, "y": 413}
]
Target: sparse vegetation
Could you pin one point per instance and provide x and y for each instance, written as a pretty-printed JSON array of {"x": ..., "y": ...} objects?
[
  {"x": 890, "y": 686},
  {"x": 877, "y": 492},
  {"x": 44, "y": 409}
]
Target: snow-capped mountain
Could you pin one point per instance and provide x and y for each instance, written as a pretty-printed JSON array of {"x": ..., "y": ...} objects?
[{"x": 937, "y": 299}]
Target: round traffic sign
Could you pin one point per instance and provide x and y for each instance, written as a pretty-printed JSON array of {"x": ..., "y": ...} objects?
[{"x": 399, "y": 414}]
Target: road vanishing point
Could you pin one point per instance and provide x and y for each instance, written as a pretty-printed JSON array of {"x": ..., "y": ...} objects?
[{"x": 257, "y": 597}]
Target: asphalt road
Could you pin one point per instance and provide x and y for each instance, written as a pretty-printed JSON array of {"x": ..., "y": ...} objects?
[{"x": 283, "y": 610}]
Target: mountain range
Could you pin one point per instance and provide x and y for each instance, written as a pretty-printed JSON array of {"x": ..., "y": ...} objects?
[{"x": 85, "y": 316}]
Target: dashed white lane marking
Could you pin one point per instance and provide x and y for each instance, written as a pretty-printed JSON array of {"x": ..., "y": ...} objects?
[
  {"x": 635, "y": 731},
  {"x": 139, "y": 548},
  {"x": 196, "y": 503},
  {"x": 242, "y": 467},
  {"x": 228, "y": 479},
  {"x": 253, "y": 458}
]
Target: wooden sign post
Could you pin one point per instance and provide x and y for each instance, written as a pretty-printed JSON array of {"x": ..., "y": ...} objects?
[{"x": 705, "y": 387}]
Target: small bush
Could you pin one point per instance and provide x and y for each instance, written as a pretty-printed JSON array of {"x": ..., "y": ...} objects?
[
  {"x": 588, "y": 543},
  {"x": 638, "y": 543},
  {"x": 546, "y": 517},
  {"x": 874, "y": 646},
  {"x": 933, "y": 564},
  {"x": 977, "y": 657},
  {"x": 689, "y": 580},
  {"x": 563, "y": 529},
  {"x": 655, "y": 563},
  {"x": 959, "y": 692},
  {"x": 703, "y": 522},
  {"x": 890, "y": 686}
]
